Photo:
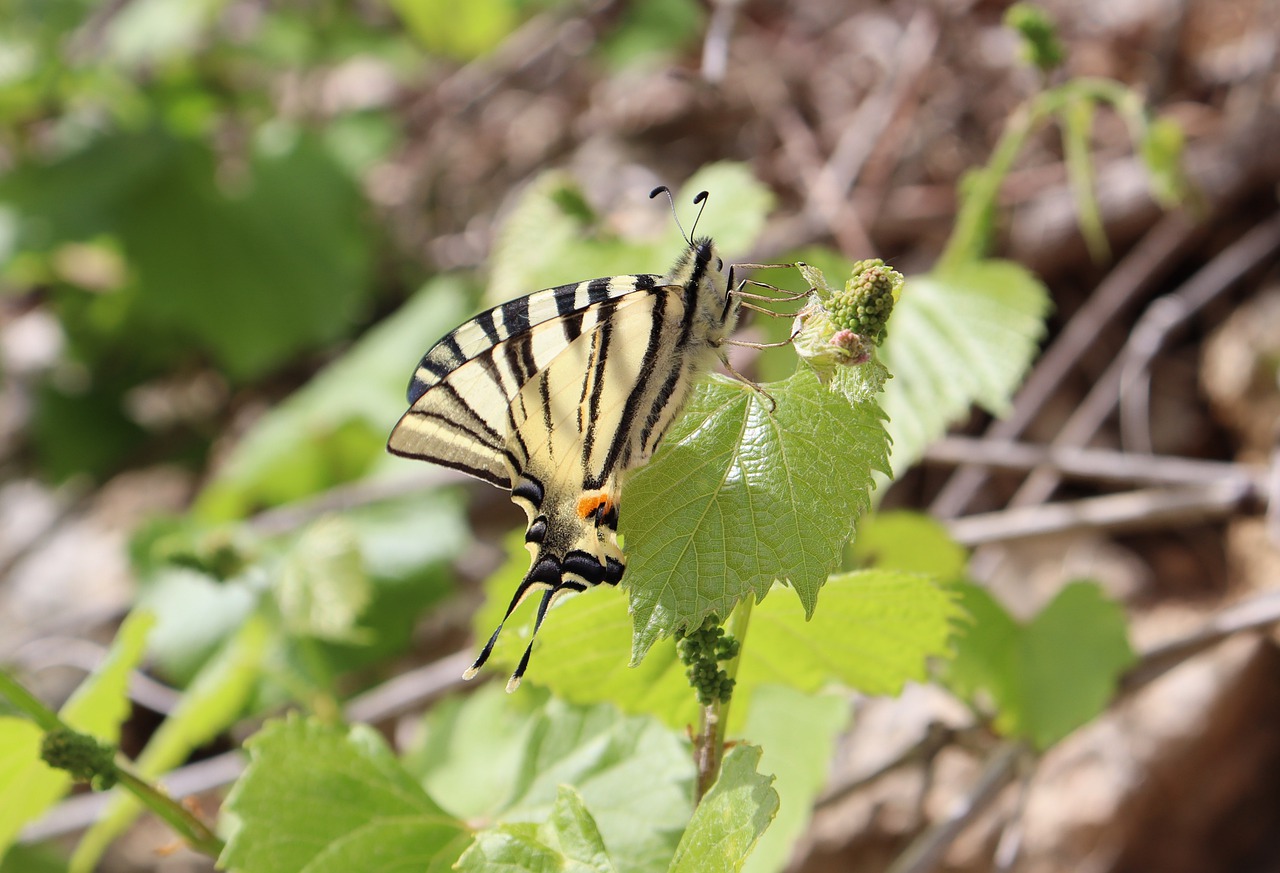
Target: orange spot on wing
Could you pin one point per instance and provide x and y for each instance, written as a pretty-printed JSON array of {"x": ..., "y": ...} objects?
[{"x": 589, "y": 504}]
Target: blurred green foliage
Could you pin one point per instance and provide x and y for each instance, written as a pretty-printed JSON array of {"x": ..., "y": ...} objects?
[
  {"x": 98, "y": 707},
  {"x": 250, "y": 276},
  {"x": 1040, "y": 44},
  {"x": 168, "y": 213},
  {"x": 1039, "y": 680}
]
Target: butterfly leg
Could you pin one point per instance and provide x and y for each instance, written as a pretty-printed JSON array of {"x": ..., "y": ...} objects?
[
  {"x": 736, "y": 288},
  {"x": 750, "y": 345},
  {"x": 796, "y": 326},
  {"x": 783, "y": 295},
  {"x": 754, "y": 386},
  {"x": 763, "y": 266}
]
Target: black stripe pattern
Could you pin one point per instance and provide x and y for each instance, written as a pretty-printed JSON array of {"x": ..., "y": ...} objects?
[{"x": 555, "y": 396}]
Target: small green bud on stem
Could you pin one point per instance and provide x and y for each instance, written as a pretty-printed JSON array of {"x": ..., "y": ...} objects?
[
  {"x": 1040, "y": 44},
  {"x": 702, "y": 651},
  {"x": 81, "y": 755}
]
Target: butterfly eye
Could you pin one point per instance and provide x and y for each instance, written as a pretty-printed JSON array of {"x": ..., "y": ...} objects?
[{"x": 720, "y": 264}]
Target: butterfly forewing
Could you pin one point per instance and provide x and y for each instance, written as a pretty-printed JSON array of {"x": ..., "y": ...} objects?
[{"x": 463, "y": 386}]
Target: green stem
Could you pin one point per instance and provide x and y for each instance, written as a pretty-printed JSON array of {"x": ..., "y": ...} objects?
[
  {"x": 29, "y": 703},
  {"x": 969, "y": 237},
  {"x": 182, "y": 820},
  {"x": 708, "y": 750},
  {"x": 187, "y": 824},
  {"x": 972, "y": 231}
]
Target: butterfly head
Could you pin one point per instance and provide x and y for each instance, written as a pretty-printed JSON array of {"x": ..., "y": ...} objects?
[{"x": 701, "y": 272}]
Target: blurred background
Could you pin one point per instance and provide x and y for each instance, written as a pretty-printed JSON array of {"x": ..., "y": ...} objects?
[{"x": 229, "y": 228}]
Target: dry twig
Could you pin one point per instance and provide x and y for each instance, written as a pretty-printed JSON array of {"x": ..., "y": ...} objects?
[{"x": 1151, "y": 260}]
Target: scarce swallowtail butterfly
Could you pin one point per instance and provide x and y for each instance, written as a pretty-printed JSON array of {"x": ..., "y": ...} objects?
[{"x": 556, "y": 395}]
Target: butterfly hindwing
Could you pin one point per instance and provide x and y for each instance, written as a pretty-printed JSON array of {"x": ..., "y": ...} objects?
[
  {"x": 565, "y": 425},
  {"x": 578, "y": 415}
]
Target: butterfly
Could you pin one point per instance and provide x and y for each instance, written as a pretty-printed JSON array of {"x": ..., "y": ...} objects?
[{"x": 555, "y": 396}]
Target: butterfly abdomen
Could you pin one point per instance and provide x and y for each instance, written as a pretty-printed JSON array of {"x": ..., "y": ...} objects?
[{"x": 580, "y": 538}]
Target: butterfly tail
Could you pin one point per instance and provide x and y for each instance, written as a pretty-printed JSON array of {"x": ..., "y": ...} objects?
[
  {"x": 514, "y": 682},
  {"x": 593, "y": 558},
  {"x": 544, "y": 574},
  {"x": 548, "y": 598}
]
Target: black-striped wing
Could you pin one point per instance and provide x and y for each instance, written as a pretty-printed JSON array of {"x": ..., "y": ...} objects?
[
  {"x": 462, "y": 389},
  {"x": 557, "y": 395}
]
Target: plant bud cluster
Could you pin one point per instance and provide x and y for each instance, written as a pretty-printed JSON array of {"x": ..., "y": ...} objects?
[
  {"x": 702, "y": 651},
  {"x": 83, "y": 756},
  {"x": 843, "y": 327}
]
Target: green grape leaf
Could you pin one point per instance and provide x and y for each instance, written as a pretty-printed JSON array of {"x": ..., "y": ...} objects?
[
  {"x": 633, "y": 774},
  {"x": 1045, "y": 678},
  {"x": 797, "y": 733},
  {"x": 874, "y": 631},
  {"x": 393, "y": 844},
  {"x": 469, "y": 747},
  {"x": 909, "y": 541},
  {"x": 739, "y": 495},
  {"x": 573, "y": 831},
  {"x": 315, "y": 795},
  {"x": 730, "y": 819},
  {"x": 98, "y": 706},
  {"x": 959, "y": 336},
  {"x": 510, "y": 849},
  {"x": 568, "y": 841}
]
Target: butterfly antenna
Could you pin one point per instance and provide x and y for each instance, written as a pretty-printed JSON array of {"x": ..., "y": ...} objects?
[
  {"x": 701, "y": 198},
  {"x": 663, "y": 189}
]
